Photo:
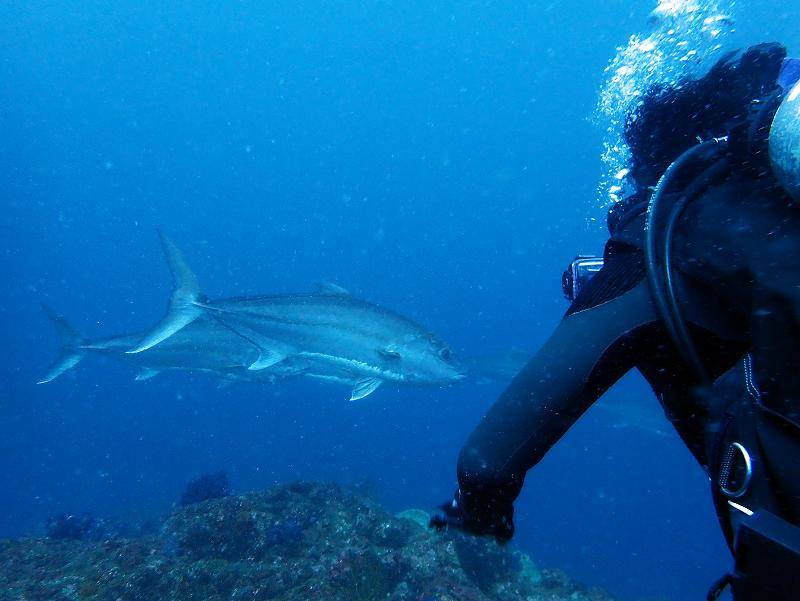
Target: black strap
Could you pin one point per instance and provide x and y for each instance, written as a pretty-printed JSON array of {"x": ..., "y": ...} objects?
[
  {"x": 661, "y": 280},
  {"x": 719, "y": 587}
]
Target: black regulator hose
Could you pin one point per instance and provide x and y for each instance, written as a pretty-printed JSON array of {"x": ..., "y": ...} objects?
[{"x": 662, "y": 286}]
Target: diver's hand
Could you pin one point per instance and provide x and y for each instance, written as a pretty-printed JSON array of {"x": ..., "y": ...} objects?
[
  {"x": 450, "y": 516},
  {"x": 453, "y": 515}
]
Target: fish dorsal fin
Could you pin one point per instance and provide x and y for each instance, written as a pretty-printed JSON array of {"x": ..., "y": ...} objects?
[
  {"x": 331, "y": 289},
  {"x": 389, "y": 353},
  {"x": 267, "y": 358},
  {"x": 146, "y": 374},
  {"x": 364, "y": 388},
  {"x": 183, "y": 308}
]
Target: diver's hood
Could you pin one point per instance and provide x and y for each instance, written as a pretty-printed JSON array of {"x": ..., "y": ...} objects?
[{"x": 784, "y": 142}]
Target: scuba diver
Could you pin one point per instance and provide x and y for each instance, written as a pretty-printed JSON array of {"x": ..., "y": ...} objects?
[{"x": 699, "y": 289}]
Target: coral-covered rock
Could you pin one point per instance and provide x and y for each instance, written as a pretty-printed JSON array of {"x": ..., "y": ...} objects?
[
  {"x": 208, "y": 486},
  {"x": 301, "y": 541}
]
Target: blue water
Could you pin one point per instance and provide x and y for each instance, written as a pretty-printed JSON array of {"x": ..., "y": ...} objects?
[{"x": 437, "y": 158}]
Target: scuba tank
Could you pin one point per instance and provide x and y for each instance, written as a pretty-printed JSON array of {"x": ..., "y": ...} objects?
[{"x": 784, "y": 139}]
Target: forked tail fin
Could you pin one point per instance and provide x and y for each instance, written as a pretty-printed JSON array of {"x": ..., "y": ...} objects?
[
  {"x": 182, "y": 309},
  {"x": 71, "y": 351}
]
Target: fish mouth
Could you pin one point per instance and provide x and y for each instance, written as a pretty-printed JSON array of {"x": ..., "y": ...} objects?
[{"x": 460, "y": 375}]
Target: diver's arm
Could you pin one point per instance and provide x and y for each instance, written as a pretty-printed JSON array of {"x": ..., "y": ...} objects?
[{"x": 587, "y": 353}]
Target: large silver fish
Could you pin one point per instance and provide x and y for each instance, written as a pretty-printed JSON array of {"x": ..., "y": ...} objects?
[
  {"x": 204, "y": 345},
  {"x": 329, "y": 334}
]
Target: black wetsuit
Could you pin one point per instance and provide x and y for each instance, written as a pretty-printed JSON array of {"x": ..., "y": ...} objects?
[
  {"x": 737, "y": 258},
  {"x": 735, "y": 252}
]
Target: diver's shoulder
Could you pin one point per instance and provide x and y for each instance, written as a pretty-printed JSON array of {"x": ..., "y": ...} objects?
[{"x": 744, "y": 193}]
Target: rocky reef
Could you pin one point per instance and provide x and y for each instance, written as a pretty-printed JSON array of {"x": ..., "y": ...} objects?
[
  {"x": 213, "y": 485},
  {"x": 303, "y": 541}
]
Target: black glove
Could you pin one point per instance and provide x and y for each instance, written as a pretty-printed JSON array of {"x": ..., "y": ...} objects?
[{"x": 454, "y": 514}]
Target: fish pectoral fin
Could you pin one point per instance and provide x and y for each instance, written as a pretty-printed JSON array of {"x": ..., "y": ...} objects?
[
  {"x": 331, "y": 289},
  {"x": 364, "y": 388},
  {"x": 146, "y": 374},
  {"x": 270, "y": 351},
  {"x": 389, "y": 354},
  {"x": 267, "y": 358}
]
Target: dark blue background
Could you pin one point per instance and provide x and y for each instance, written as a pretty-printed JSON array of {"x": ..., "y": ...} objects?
[{"x": 436, "y": 158}]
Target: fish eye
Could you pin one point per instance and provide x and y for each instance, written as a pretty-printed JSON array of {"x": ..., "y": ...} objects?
[{"x": 445, "y": 354}]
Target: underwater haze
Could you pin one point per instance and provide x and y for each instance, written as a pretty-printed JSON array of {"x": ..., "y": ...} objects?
[{"x": 441, "y": 159}]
